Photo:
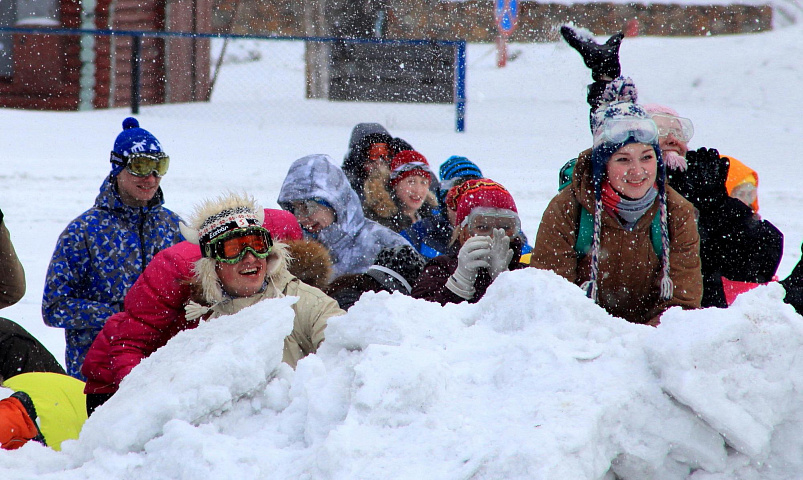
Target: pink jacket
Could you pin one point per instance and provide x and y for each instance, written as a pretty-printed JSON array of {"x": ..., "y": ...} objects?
[
  {"x": 154, "y": 310},
  {"x": 154, "y": 313}
]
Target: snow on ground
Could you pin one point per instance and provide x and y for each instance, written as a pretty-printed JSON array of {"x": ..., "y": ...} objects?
[{"x": 532, "y": 382}]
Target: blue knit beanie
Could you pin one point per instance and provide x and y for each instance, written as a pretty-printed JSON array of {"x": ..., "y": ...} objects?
[
  {"x": 456, "y": 166},
  {"x": 132, "y": 139}
]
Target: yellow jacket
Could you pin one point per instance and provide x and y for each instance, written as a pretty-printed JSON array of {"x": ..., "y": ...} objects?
[{"x": 59, "y": 401}]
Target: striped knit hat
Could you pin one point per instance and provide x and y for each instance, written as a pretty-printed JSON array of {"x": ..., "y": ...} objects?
[
  {"x": 455, "y": 168},
  {"x": 619, "y": 105}
]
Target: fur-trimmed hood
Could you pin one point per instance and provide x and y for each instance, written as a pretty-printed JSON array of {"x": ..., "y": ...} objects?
[{"x": 310, "y": 262}]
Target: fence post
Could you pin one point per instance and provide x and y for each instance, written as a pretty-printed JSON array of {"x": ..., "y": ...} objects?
[
  {"x": 135, "y": 54},
  {"x": 460, "y": 86}
]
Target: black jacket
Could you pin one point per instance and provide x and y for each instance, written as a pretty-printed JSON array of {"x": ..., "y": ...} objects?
[{"x": 20, "y": 352}]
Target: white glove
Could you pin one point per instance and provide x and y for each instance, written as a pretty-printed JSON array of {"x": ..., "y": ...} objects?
[
  {"x": 473, "y": 255},
  {"x": 501, "y": 253}
]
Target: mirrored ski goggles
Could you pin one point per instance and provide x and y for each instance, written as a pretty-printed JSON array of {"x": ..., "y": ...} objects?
[
  {"x": 483, "y": 221},
  {"x": 232, "y": 246},
  {"x": 679, "y": 127},
  {"x": 144, "y": 164},
  {"x": 618, "y": 130}
]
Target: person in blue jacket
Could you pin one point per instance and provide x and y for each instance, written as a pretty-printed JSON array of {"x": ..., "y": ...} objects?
[{"x": 100, "y": 254}]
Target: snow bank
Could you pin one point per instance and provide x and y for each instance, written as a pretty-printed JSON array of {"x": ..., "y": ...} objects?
[{"x": 534, "y": 381}]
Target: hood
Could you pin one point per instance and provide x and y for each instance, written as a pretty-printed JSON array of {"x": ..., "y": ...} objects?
[
  {"x": 315, "y": 176},
  {"x": 361, "y": 130}
]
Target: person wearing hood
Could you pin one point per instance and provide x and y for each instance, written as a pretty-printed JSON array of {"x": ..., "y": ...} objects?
[
  {"x": 318, "y": 193},
  {"x": 100, "y": 254},
  {"x": 736, "y": 245},
  {"x": 371, "y": 147},
  {"x": 395, "y": 270},
  {"x": 486, "y": 245},
  {"x": 229, "y": 262},
  {"x": 643, "y": 257}
]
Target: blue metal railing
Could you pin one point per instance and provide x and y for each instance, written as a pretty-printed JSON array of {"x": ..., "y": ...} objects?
[{"x": 137, "y": 35}]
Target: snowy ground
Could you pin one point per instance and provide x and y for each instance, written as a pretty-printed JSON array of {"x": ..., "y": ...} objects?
[{"x": 532, "y": 382}]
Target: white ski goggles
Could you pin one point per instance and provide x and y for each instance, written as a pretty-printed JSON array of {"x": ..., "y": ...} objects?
[
  {"x": 679, "y": 127},
  {"x": 618, "y": 130}
]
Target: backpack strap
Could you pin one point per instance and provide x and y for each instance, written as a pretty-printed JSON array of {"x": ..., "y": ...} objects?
[{"x": 585, "y": 233}]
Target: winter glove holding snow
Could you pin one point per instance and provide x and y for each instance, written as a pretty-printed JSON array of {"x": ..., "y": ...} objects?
[
  {"x": 706, "y": 174},
  {"x": 603, "y": 60},
  {"x": 501, "y": 253},
  {"x": 473, "y": 255}
]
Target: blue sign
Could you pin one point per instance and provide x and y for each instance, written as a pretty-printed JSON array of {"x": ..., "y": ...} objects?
[{"x": 507, "y": 15}]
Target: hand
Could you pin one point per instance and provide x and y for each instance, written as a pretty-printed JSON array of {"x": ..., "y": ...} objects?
[
  {"x": 501, "y": 253},
  {"x": 706, "y": 174},
  {"x": 473, "y": 255},
  {"x": 603, "y": 60}
]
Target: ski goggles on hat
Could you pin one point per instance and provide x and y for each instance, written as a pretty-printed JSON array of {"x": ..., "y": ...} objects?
[
  {"x": 679, "y": 127},
  {"x": 618, "y": 130},
  {"x": 409, "y": 167},
  {"x": 232, "y": 246},
  {"x": 484, "y": 220},
  {"x": 144, "y": 164}
]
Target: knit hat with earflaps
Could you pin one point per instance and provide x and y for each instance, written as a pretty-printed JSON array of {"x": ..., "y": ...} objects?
[
  {"x": 481, "y": 192},
  {"x": 619, "y": 103},
  {"x": 215, "y": 217}
]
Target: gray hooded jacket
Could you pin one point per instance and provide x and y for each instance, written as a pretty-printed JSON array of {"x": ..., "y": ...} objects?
[{"x": 353, "y": 241}]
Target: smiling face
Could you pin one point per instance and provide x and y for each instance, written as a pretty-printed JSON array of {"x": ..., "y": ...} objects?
[
  {"x": 632, "y": 170},
  {"x": 312, "y": 216},
  {"x": 244, "y": 278},
  {"x": 670, "y": 129},
  {"x": 137, "y": 191},
  {"x": 411, "y": 192}
]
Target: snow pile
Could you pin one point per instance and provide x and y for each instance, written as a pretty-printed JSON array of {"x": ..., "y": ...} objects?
[{"x": 534, "y": 381}]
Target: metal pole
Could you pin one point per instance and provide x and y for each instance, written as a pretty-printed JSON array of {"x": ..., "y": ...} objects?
[
  {"x": 460, "y": 87},
  {"x": 136, "y": 47}
]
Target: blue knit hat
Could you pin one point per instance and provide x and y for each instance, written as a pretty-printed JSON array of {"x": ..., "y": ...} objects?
[
  {"x": 132, "y": 139},
  {"x": 455, "y": 167},
  {"x": 619, "y": 105}
]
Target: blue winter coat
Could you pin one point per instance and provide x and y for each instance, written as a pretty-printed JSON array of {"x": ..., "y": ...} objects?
[{"x": 97, "y": 259}]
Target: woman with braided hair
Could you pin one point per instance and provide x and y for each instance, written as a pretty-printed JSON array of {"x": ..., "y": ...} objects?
[{"x": 643, "y": 255}]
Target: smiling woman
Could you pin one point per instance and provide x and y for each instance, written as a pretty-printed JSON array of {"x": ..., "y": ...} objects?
[
  {"x": 633, "y": 267},
  {"x": 229, "y": 262}
]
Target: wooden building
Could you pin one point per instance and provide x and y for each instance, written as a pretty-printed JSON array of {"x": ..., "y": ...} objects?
[{"x": 71, "y": 72}]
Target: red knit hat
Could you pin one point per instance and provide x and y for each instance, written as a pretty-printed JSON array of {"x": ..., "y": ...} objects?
[
  {"x": 407, "y": 163},
  {"x": 482, "y": 192}
]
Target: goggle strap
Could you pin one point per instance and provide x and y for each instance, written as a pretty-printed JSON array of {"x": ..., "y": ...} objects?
[{"x": 394, "y": 275}]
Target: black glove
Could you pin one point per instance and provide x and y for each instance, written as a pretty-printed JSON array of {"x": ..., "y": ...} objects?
[
  {"x": 706, "y": 174},
  {"x": 603, "y": 60}
]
